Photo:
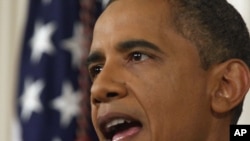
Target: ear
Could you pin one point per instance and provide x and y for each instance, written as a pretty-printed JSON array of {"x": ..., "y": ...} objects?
[{"x": 230, "y": 83}]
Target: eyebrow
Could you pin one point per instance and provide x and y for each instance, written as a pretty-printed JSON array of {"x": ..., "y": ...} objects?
[
  {"x": 96, "y": 56},
  {"x": 131, "y": 44},
  {"x": 125, "y": 46}
]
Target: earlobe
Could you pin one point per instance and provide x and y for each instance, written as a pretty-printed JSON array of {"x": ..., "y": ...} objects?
[{"x": 232, "y": 83}]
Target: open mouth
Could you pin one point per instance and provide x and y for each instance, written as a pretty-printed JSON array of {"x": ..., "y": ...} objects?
[{"x": 119, "y": 127}]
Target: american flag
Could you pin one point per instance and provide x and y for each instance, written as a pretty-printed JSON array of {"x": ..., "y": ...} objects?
[{"x": 48, "y": 87}]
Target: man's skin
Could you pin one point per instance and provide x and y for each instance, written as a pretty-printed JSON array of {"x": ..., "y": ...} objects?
[{"x": 144, "y": 71}]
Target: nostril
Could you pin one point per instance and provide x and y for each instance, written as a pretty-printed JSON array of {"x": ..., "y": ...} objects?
[
  {"x": 105, "y": 98},
  {"x": 110, "y": 95}
]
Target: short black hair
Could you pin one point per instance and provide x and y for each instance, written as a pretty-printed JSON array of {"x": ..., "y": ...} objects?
[{"x": 216, "y": 28}]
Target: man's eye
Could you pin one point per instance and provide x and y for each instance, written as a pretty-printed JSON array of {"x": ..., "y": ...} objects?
[
  {"x": 137, "y": 56},
  {"x": 95, "y": 70}
]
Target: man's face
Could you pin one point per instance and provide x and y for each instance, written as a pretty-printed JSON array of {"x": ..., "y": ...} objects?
[{"x": 148, "y": 84}]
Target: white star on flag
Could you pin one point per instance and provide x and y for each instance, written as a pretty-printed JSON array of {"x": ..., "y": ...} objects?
[
  {"x": 56, "y": 139},
  {"x": 30, "y": 101},
  {"x": 46, "y": 1},
  {"x": 104, "y": 3},
  {"x": 41, "y": 41},
  {"x": 67, "y": 104},
  {"x": 74, "y": 45}
]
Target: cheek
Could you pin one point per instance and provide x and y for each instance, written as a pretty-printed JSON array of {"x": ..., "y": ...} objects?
[
  {"x": 167, "y": 98},
  {"x": 157, "y": 89},
  {"x": 154, "y": 93}
]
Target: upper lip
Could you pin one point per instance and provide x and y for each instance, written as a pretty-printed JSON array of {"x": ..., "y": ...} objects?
[{"x": 108, "y": 123}]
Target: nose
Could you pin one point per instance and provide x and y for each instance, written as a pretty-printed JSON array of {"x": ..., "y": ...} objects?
[{"x": 109, "y": 85}]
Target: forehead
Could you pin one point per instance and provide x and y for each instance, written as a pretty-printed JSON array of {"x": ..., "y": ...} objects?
[
  {"x": 135, "y": 10},
  {"x": 140, "y": 6},
  {"x": 132, "y": 18}
]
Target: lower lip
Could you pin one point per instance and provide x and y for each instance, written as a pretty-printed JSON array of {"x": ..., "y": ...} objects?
[{"x": 126, "y": 134}]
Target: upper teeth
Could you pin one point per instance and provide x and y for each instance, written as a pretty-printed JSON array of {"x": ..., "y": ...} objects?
[{"x": 117, "y": 122}]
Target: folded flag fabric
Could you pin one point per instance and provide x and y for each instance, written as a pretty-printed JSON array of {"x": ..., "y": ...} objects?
[{"x": 49, "y": 94}]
